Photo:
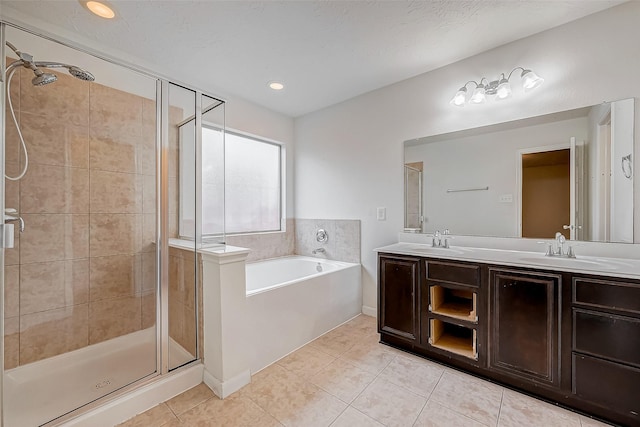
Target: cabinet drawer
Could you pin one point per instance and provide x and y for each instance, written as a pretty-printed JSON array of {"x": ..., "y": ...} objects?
[
  {"x": 607, "y": 294},
  {"x": 607, "y": 335},
  {"x": 611, "y": 385},
  {"x": 461, "y": 274}
]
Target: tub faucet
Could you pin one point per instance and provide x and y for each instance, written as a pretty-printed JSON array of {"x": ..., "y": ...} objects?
[{"x": 319, "y": 250}]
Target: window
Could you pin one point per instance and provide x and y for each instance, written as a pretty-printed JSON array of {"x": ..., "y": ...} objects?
[
  {"x": 252, "y": 185},
  {"x": 248, "y": 184}
]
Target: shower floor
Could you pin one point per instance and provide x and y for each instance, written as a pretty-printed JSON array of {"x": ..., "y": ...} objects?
[{"x": 42, "y": 391}]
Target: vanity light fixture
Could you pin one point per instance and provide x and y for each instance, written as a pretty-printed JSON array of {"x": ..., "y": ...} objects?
[
  {"x": 100, "y": 9},
  {"x": 500, "y": 88}
]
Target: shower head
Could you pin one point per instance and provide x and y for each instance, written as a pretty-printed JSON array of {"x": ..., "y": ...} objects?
[
  {"x": 81, "y": 74},
  {"x": 76, "y": 72},
  {"x": 43, "y": 78}
]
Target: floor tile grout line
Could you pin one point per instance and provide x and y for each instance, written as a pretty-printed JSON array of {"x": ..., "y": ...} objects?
[
  {"x": 340, "y": 414},
  {"x": 367, "y": 386},
  {"x": 171, "y": 409},
  {"x": 500, "y": 408},
  {"x": 420, "y": 412},
  {"x": 445, "y": 405},
  {"x": 428, "y": 398}
]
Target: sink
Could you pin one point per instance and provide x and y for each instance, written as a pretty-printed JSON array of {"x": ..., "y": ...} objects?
[
  {"x": 570, "y": 262},
  {"x": 436, "y": 250}
]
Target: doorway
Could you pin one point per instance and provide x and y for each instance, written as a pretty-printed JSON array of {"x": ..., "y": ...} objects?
[{"x": 546, "y": 193}]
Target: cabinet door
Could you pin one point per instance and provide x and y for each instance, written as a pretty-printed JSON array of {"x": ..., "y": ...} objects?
[
  {"x": 398, "y": 299},
  {"x": 525, "y": 313}
]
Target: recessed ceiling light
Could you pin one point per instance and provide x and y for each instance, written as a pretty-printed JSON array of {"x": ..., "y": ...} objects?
[
  {"x": 276, "y": 85},
  {"x": 100, "y": 9}
]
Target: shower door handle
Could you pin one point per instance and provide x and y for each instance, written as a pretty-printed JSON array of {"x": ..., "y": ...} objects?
[
  {"x": 7, "y": 235},
  {"x": 10, "y": 218}
]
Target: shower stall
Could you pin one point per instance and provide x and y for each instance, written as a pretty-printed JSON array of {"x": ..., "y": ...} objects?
[{"x": 102, "y": 226}]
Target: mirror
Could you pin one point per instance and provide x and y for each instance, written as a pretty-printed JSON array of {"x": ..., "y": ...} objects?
[{"x": 570, "y": 172}]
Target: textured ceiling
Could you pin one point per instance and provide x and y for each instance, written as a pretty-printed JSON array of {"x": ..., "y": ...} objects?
[{"x": 324, "y": 52}]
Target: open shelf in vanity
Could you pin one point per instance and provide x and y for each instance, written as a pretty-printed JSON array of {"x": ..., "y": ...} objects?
[
  {"x": 453, "y": 338},
  {"x": 456, "y": 303}
]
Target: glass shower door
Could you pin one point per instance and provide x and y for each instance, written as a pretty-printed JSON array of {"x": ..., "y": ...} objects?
[
  {"x": 81, "y": 279},
  {"x": 188, "y": 214}
]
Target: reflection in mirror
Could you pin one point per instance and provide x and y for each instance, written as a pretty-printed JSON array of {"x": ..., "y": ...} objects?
[
  {"x": 568, "y": 172},
  {"x": 413, "y": 197}
]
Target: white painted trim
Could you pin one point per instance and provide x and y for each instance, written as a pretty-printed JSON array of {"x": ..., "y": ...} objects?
[
  {"x": 370, "y": 311},
  {"x": 226, "y": 255},
  {"x": 224, "y": 389},
  {"x": 135, "y": 402}
]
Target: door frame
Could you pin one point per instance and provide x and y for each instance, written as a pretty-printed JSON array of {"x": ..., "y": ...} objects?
[{"x": 571, "y": 146}]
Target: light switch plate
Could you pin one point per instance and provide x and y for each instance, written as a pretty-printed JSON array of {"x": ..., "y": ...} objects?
[
  {"x": 506, "y": 198},
  {"x": 381, "y": 214}
]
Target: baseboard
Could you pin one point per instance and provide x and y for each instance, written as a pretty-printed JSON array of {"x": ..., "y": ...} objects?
[
  {"x": 146, "y": 397},
  {"x": 369, "y": 311},
  {"x": 224, "y": 389}
]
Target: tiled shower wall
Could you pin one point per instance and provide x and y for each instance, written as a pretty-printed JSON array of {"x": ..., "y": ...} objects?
[
  {"x": 182, "y": 298},
  {"x": 83, "y": 271}
]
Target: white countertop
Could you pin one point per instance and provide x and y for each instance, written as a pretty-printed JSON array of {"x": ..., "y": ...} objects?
[{"x": 616, "y": 267}]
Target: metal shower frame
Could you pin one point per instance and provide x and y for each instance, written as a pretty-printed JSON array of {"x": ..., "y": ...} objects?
[{"x": 162, "y": 206}]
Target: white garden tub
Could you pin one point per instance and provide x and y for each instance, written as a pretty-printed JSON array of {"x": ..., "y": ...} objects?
[{"x": 293, "y": 300}]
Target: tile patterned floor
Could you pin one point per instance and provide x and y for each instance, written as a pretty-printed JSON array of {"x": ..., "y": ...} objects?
[{"x": 347, "y": 379}]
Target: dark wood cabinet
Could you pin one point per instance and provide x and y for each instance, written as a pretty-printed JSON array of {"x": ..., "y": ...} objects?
[
  {"x": 566, "y": 337},
  {"x": 398, "y": 301},
  {"x": 524, "y": 325},
  {"x": 614, "y": 387},
  {"x": 606, "y": 346}
]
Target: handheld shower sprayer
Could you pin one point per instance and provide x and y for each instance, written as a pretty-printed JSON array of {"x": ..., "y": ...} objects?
[{"x": 41, "y": 78}]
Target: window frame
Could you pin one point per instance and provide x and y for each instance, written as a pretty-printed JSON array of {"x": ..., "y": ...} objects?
[{"x": 281, "y": 179}]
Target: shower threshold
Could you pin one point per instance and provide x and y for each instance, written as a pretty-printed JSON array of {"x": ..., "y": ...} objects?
[{"x": 41, "y": 391}]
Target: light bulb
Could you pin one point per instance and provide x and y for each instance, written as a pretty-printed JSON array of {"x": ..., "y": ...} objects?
[
  {"x": 478, "y": 96},
  {"x": 530, "y": 80},
  {"x": 504, "y": 89},
  {"x": 460, "y": 97},
  {"x": 100, "y": 9}
]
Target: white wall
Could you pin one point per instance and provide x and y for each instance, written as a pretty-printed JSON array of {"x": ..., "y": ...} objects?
[
  {"x": 349, "y": 156},
  {"x": 487, "y": 160}
]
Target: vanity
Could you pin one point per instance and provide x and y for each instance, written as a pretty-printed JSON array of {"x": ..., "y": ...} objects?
[
  {"x": 565, "y": 330},
  {"x": 496, "y": 299}
]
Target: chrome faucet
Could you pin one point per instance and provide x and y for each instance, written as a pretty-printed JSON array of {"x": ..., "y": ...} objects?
[
  {"x": 559, "y": 250},
  {"x": 441, "y": 242},
  {"x": 319, "y": 250}
]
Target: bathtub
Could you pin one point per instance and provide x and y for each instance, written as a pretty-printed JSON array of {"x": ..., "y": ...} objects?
[{"x": 293, "y": 300}]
